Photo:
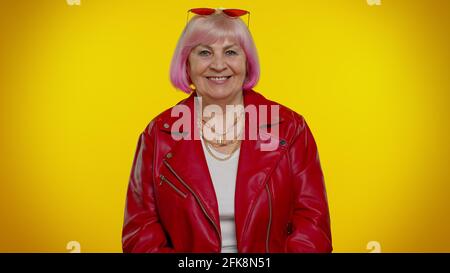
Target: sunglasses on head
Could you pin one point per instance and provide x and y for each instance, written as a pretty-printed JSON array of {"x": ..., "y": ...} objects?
[{"x": 233, "y": 13}]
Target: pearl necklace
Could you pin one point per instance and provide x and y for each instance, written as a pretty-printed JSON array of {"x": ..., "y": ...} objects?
[{"x": 221, "y": 142}]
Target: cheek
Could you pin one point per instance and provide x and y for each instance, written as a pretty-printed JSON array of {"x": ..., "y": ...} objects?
[
  {"x": 240, "y": 66},
  {"x": 197, "y": 67}
]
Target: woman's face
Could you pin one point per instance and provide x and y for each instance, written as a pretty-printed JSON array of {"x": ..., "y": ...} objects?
[{"x": 218, "y": 70}]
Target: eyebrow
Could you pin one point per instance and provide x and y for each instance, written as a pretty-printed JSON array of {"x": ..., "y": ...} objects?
[{"x": 226, "y": 47}]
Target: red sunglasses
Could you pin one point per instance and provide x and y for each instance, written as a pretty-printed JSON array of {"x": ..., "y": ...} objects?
[{"x": 234, "y": 13}]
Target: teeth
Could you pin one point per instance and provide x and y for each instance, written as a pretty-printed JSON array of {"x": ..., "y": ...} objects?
[{"x": 218, "y": 78}]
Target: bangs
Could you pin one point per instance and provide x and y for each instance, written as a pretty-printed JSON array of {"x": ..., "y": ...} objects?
[{"x": 214, "y": 28}]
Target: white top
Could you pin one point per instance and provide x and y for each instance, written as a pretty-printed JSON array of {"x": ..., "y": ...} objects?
[{"x": 223, "y": 175}]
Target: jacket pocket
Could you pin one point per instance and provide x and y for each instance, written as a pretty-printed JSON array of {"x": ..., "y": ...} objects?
[{"x": 164, "y": 179}]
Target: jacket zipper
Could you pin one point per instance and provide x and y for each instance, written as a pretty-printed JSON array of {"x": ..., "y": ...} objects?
[
  {"x": 270, "y": 217},
  {"x": 196, "y": 198},
  {"x": 164, "y": 179}
]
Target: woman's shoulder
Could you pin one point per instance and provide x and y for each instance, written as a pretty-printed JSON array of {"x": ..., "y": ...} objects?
[
  {"x": 166, "y": 117},
  {"x": 286, "y": 114}
]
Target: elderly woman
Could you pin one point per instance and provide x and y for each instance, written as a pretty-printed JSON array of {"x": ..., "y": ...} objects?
[{"x": 243, "y": 177}]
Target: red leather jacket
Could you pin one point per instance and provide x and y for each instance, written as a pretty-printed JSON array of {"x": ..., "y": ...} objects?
[{"x": 280, "y": 198}]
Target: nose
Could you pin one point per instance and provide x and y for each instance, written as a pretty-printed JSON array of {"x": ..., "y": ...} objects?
[{"x": 218, "y": 63}]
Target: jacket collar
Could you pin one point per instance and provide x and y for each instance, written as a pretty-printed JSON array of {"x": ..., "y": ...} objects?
[{"x": 250, "y": 98}]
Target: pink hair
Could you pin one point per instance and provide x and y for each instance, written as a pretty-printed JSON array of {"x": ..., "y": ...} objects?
[{"x": 208, "y": 30}]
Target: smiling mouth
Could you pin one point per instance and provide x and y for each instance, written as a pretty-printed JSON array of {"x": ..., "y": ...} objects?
[{"x": 219, "y": 80}]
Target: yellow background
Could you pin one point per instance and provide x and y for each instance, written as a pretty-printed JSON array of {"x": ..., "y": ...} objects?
[{"x": 79, "y": 83}]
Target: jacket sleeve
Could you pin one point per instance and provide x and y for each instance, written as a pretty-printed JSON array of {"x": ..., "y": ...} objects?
[
  {"x": 310, "y": 222},
  {"x": 142, "y": 231}
]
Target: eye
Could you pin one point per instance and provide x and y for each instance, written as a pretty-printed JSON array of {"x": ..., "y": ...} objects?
[
  {"x": 231, "y": 52},
  {"x": 204, "y": 52}
]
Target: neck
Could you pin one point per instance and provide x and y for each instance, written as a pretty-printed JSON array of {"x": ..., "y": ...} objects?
[
  {"x": 228, "y": 122},
  {"x": 236, "y": 100}
]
